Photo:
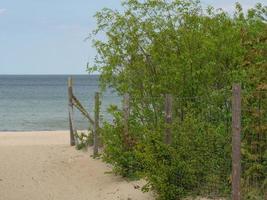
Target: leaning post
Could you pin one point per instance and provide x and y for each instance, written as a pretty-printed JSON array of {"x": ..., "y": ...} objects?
[
  {"x": 71, "y": 123},
  {"x": 236, "y": 142},
  {"x": 96, "y": 124}
]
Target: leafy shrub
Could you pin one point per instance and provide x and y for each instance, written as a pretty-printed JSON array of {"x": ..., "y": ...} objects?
[
  {"x": 192, "y": 165},
  {"x": 176, "y": 47},
  {"x": 116, "y": 152}
]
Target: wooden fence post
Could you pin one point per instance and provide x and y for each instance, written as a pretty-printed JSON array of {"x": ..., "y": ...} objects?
[
  {"x": 236, "y": 142},
  {"x": 96, "y": 124},
  {"x": 168, "y": 118},
  {"x": 126, "y": 114},
  {"x": 71, "y": 115}
]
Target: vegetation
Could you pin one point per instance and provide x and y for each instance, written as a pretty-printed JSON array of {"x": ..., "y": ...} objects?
[
  {"x": 176, "y": 47},
  {"x": 83, "y": 140}
]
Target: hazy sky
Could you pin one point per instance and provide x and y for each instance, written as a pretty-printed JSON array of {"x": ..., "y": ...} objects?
[{"x": 47, "y": 36}]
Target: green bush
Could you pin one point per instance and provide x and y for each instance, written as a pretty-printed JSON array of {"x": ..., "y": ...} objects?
[
  {"x": 192, "y": 165},
  {"x": 116, "y": 152},
  {"x": 176, "y": 47}
]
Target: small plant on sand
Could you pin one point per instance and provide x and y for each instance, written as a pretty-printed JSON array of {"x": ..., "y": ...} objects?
[{"x": 83, "y": 140}]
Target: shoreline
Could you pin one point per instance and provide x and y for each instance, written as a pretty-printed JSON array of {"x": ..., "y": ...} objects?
[
  {"x": 37, "y": 131},
  {"x": 31, "y": 131}
]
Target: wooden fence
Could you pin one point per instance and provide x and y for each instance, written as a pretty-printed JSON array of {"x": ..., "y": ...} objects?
[
  {"x": 236, "y": 127},
  {"x": 75, "y": 103},
  {"x": 93, "y": 121}
]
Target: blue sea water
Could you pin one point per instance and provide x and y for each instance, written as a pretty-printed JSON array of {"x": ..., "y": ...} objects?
[{"x": 39, "y": 102}]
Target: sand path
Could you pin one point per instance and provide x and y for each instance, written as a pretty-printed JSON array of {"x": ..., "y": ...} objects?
[{"x": 42, "y": 166}]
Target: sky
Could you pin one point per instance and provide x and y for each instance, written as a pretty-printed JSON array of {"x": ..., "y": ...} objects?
[{"x": 48, "y": 36}]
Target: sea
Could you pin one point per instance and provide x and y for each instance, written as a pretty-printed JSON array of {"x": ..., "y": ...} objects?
[{"x": 40, "y": 102}]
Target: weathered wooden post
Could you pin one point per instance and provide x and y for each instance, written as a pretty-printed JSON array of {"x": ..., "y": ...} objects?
[
  {"x": 236, "y": 142},
  {"x": 96, "y": 124},
  {"x": 126, "y": 114},
  {"x": 168, "y": 118},
  {"x": 71, "y": 115}
]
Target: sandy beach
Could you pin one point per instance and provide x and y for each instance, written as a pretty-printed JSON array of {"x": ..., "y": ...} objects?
[{"x": 42, "y": 166}]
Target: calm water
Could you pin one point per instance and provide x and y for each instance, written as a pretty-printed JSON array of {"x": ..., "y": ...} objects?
[{"x": 39, "y": 102}]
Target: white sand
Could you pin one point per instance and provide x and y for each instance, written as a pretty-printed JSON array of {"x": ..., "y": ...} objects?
[{"x": 42, "y": 166}]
